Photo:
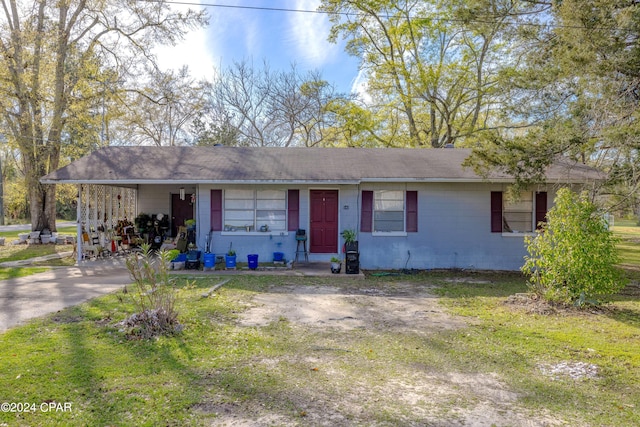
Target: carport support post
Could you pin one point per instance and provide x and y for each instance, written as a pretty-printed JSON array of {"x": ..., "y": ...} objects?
[{"x": 79, "y": 225}]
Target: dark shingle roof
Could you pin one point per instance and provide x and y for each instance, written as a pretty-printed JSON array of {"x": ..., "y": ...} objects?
[{"x": 136, "y": 165}]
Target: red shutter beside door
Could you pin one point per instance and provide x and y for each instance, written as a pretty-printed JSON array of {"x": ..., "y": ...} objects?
[
  {"x": 293, "y": 207},
  {"x": 366, "y": 217}
]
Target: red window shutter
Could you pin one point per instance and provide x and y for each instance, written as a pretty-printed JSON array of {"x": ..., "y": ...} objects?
[
  {"x": 496, "y": 211},
  {"x": 366, "y": 217},
  {"x": 293, "y": 208},
  {"x": 216, "y": 210},
  {"x": 541, "y": 207},
  {"x": 412, "y": 212}
]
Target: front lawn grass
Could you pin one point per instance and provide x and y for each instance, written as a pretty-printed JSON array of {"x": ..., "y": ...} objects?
[
  {"x": 628, "y": 232},
  {"x": 523, "y": 344},
  {"x": 15, "y": 272},
  {"x": 79, "y": 356},
  {"x": 11, "y": 252}
]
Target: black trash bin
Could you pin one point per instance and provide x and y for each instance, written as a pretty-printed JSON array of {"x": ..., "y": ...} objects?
[{"x": 352, "y": 261}]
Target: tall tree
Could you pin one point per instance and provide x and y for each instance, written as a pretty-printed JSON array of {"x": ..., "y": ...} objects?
[
  {"x": 2, "y": 174},
  {"x": 47, "y": 49},
  {"x": 161, "y": 110},
  {"x": 578, "y": 91},
  {"x": 433, "y": 67},
  {"x": 259, "y": 107}
]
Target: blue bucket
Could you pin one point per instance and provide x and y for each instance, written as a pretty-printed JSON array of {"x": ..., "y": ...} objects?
[
  {"x": 209, "y": 260},
  {"x": 278, "y": 256},
  {"x": 253, "y": 261},
  {"x": 230, "y": 261},
  {"x": 180, "y": 258}
]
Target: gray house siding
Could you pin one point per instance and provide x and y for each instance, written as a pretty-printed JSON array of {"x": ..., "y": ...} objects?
[
  {"x": 456, "y": 209},
  {"x": 453, "y": 232},
  {"x": 265, "y": 244},
  {"x": 454, "y": 229}
]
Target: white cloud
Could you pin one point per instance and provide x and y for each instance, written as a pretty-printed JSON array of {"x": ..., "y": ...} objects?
[
  {"x": 360, "y": 86},
  {"x": 194, "y": 51},
  {"x": 308, "y": 33}
]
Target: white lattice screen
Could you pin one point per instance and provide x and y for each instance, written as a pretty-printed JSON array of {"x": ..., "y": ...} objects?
[{"x": 103, "y": 206}]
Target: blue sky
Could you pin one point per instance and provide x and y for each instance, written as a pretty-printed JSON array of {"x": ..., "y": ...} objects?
[{"x": 279, "y": 37}]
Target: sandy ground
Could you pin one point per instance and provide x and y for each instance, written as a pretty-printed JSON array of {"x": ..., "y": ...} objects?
[
  {"x": 410, "y": 395},
  {"x": 331, "y": 307}
]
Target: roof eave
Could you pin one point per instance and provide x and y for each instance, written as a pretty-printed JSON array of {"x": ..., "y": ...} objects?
[{"x": 129, "y": 182}]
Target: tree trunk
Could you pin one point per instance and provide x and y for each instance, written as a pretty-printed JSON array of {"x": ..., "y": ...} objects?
[
  {"x": 42, "y": 198},
  {"x": 44, "y": 215},
  {"x": 1, "y": 194}
]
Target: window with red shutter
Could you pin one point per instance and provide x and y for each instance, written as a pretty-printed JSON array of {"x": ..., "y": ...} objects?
[
  {"x": 541, "y": 208},
  {"x": 216, "y": 210},
  {"x": 496, "y": 211},
  {"x": 293, "y": 210},
  {"x": 366, "y": 217},
  {"x": 412, "y": 212}
]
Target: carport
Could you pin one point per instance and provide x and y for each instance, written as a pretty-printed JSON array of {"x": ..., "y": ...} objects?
[{"x": 103, "y": 211}]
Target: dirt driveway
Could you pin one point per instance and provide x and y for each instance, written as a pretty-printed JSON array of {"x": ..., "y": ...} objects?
[
  {"x": 334, "y": 382},
  {"x": 403, "y": 308}
]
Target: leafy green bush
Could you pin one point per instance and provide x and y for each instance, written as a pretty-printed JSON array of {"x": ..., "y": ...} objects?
[{"x": 573, "y": 259}]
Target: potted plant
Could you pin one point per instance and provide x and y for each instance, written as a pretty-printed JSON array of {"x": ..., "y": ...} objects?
[
  {"x": 230, "y": 258},
  {"x": 350, "y": 242},
  {"x": 193, "y": 252},
  {"x": 336, "y": 265},
  {"x": 190, "y": 224}
]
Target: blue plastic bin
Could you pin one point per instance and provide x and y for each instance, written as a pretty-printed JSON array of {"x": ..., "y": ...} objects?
[
  {"x": 209, "y": 260},
  {"x": 253, "y": 261},
  {"x": 180, "y": 258}
]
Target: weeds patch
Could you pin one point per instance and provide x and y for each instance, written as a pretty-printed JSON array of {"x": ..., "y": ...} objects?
[{"x": 499, "y": 365}]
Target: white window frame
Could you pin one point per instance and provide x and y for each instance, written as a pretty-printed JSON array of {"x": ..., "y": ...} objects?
[
  {"x": 247, "y": 210},
  {"x": 377, "y": 200},
  {"x": 511, "y": 209}
]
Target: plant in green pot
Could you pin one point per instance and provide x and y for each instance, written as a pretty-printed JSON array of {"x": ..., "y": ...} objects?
[{"x": 350, "y": 242}]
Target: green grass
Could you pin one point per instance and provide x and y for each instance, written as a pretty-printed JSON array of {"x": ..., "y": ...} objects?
[
  {"x": 628, "y": 232},
  {"x": 79, "y": 356},
  {"x": 14, "y": 272},
  {"x": 10, "y": 252},
  {"x": 13, "y": 235},
  {"x": 294, "y": 373}
]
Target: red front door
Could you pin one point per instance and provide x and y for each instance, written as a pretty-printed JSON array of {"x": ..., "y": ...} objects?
[
  {"x": 324, "y": 222},
  {"x": 180, "y": 210}
]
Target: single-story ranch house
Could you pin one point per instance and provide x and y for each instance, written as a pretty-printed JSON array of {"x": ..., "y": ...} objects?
[{"x": 411, "y": 208}]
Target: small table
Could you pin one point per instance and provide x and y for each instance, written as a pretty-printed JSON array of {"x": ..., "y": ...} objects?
[{"x": 302, "y": 247}]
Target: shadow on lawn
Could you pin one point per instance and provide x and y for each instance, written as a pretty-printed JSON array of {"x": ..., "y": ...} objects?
[
  {"x": 116, "y": 380},
  {"x": 23, "y": 251},
  {"x": 470, "y": 284},
  {"x": 624, "y": 315}
]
